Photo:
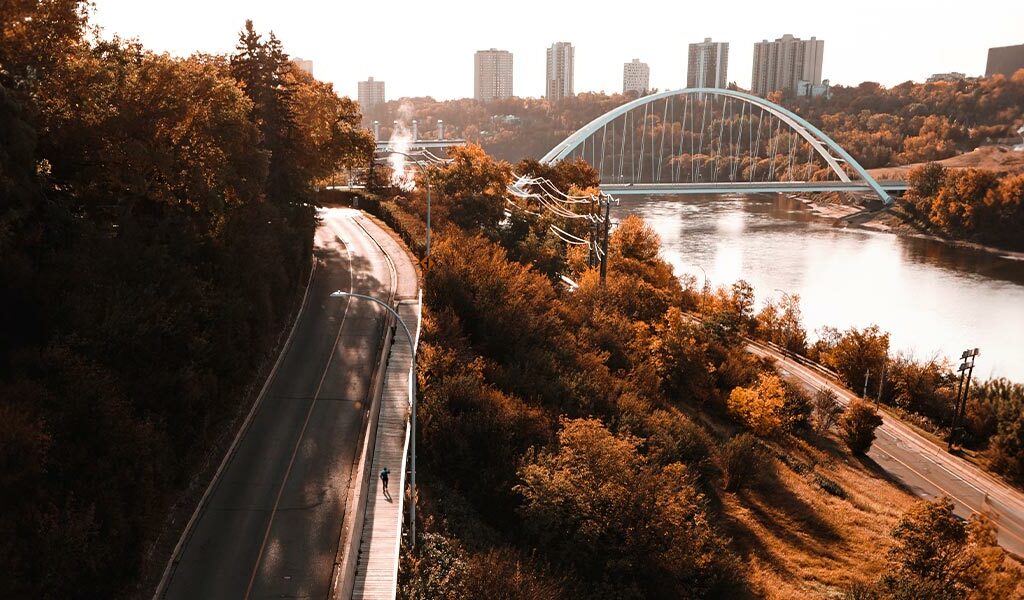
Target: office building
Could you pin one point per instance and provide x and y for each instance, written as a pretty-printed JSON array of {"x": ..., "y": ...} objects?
[
  {"x": 560, "y": 72},
  {"x": 303, "y": 65},
  {"x": 1005, "y": 60},
  {"x": 708, "y": 64},
  {"x": 492, "y": 75},
  {"x": 371, "y": 94},
  {"x": 784, "y": 63},
  {"x": 636, "y": 77}
]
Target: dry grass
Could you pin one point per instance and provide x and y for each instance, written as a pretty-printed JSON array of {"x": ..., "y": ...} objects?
[{"x": 801, "y": 541}]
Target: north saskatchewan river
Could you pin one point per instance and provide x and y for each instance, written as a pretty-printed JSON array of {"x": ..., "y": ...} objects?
[{"x": 933, "y": 298}]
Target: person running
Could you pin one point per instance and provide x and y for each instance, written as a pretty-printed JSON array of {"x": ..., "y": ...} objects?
[{"x": 384, "y": 473}]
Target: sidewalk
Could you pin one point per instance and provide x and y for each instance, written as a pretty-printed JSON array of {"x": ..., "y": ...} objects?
[{"x": 380, "y": 541}]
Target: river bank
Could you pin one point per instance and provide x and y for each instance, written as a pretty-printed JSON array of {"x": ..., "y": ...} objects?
[{"x": 892, "y": 220}]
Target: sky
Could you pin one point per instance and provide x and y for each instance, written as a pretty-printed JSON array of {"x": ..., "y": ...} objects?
[{"x": 426, "y": 48}]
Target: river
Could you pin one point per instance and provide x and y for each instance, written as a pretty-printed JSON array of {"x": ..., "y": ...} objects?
[{"x": 933, "y": 298}]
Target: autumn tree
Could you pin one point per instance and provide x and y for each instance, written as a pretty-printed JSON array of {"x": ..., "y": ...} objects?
[
  {"x": 760, "y": 408},
  {"x": 852, "y": 353},
  {"x": 781, "y": 323},
  {"x": 470, "y": 190},
  {"x": 140, "y": 200},
  {"x": 641, "y": 530},
  {"x": 680, "y": 352},
  {"x": 938, "y": 555}
]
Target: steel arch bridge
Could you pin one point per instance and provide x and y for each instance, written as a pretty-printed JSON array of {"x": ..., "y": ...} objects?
[{"x": 713, "y": 140}]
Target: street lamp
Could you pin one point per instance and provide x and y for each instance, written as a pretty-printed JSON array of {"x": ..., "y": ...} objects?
[
  {"x": 426, "y": 173},
  {"x": 785, "y": 348},
  {"x": 703, "y": 290},
  {"x": 412, "y": 403}
]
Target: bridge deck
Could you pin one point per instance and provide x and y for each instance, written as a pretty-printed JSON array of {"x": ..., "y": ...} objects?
[{"x": 739, "y": 187}]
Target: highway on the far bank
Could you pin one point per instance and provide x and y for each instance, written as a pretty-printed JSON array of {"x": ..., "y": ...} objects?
[
  {"x": 925, "y": 468},
  {"x": 271, "y": 524}
]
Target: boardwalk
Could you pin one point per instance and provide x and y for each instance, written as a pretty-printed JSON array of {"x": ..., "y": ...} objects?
[
  {"x": 377, "y": 565},
  {"x": 380, "y": 536}
]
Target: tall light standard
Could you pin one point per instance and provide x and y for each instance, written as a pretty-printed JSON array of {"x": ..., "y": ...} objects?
[
  {"x": 785, "y": 347},
  {"x": 412, "y": 403},
  {"x": 426, "y": 174},
  {"x": 703, "y": 290}
]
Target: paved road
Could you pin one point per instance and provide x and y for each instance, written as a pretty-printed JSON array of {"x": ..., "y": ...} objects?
[
  {"x": 926, "y": 468},
  {"x": 271, "y": 526}
]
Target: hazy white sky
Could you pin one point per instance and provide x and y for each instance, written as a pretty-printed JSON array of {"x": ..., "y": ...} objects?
[{"x": 422, "y": 48}]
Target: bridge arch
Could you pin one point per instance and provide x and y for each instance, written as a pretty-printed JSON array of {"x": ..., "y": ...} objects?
[{"x": 822, "y": 144}]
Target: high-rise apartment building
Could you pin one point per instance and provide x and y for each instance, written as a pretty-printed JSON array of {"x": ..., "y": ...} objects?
[
  {"x": 636, "y": 77},
  {"x": 492, "y": 74},
  {"x": 708, "y": 64},
  {"x": 560, "y": 72},
  {"x": 371, "y": 94},
  {"x": 784, "y": 63},
  {"x": 1005, "y": 60}
]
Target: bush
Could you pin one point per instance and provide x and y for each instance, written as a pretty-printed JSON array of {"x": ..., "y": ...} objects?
[
  {"x": 825, "y": 409},
  {"x": 857, "y": 426},
  {"x": 830, "y": 486},
  {"x": 797, "y": 408},
  {"x": 743, "y": 462}
]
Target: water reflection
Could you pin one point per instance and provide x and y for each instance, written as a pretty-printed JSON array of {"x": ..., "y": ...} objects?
[{"x": 932, "y": 297}]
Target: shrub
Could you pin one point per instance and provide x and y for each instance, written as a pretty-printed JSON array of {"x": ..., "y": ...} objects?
[
  {"x": 830, "y": 486},
  {"x": 825, "y": 409},
  {"x": 857, "y": 426},
  {"x": 797, "y": 408},
  {"x": 743, "y": 462}
]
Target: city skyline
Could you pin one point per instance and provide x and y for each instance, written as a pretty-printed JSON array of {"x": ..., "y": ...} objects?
[{"x": 930, "y": 42}]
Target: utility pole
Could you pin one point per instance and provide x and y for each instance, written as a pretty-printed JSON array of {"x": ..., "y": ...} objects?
[
  {"x": 963, "y": 389},
  {"x": 881, "y": 381},
  {"x": 607, "y": 202},
  {"x": 866, "y": 376}
]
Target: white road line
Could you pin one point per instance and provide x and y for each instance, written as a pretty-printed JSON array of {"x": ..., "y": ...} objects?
[{"x": 302, "y": 432}]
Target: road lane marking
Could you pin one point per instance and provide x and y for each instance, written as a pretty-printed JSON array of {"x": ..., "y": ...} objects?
[{"x": 302, "y": 432}]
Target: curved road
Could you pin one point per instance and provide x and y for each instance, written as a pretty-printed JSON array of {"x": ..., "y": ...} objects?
[
  {"x": 271, "y": 524},
  {"x": 925, "y": 468}
]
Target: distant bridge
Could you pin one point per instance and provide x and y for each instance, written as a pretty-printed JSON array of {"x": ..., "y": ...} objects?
[
  {"x": 414, "y": 142},
  {"x": 385, "y": 145},
  {"x": 712, "y": 140}
]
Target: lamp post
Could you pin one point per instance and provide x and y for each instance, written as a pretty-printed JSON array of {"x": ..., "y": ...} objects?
[
  {"x": 412, "y": 403},
  {"x": 785, "y": 347},
  {"x": 703, "y": 290},
  {"x": 426, "y": 173}
]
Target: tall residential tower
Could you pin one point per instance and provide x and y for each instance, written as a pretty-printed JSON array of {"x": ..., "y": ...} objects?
[
  {"x": 785, "y": 63},
  {"x": 560, "y": 72},
  {"x": 492, "y": 75},
  {"x": 371, "y": 94},
  {"x": 636, "y": 77},
  {"x": 708, "y": 64}
]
